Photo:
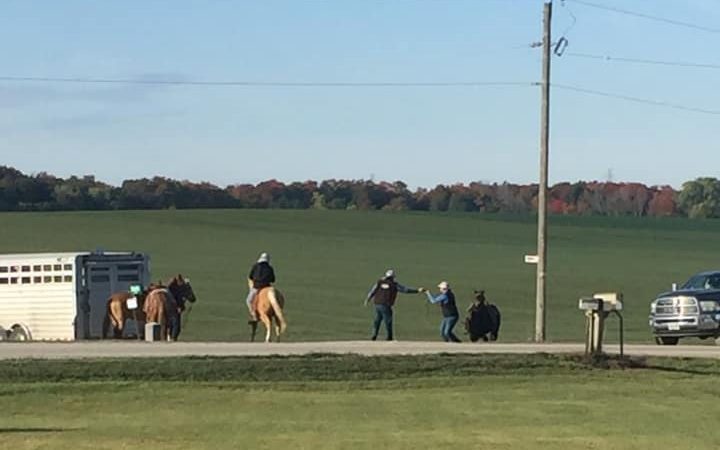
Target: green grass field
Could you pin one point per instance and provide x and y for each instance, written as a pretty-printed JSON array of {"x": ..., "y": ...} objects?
[
  {"x": 327, "y": 260},
  {"x": 352, "y": 402}
]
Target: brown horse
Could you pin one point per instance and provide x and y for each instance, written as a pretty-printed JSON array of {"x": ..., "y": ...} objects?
[
  {"x": 160, "y": 307},
  {"x": 166, "y": 306},
  {"x": 268, "y": 305},
  {"x": 117, "y": 313},
  {"x": 181, "y": 294}
]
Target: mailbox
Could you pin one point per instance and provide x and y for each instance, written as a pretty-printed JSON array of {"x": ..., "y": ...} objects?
[
  {"x": 589, "y": 304},
  {"x": 597, "y": 308},
  {"x": 612, "y": 301}
]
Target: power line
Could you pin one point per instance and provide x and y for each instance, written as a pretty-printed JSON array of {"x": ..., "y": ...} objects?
[
  {"x": 643, "y": 61},
  {"x": 240, "y": 83},
  {"x": 636, "y": 99},
  {"x": 572, "y": 17},
  {"x": 334, "y": 84},
  {"x": 647, "y": 16}
]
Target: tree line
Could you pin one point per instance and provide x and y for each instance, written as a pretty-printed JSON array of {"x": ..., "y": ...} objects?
[{"x": 699, "y": 198}]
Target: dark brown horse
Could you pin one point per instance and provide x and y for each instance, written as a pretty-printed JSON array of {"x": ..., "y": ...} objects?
[{"x": 484, "y": 319}]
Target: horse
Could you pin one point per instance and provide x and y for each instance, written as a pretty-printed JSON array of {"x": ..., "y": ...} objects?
[
  {"x": 117, "y": 312},
  {"x": 483, "y": 322},
  {"x": 268, "y": 305},
  {"x": 182, "y": 291},
  {"x": 165, "y": 305}
]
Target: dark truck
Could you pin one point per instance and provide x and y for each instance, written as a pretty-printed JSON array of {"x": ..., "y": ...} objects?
[{"x": 691, "y": 311}]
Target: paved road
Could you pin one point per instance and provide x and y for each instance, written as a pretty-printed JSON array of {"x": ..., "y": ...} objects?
[{"x": 76, "y": 350}]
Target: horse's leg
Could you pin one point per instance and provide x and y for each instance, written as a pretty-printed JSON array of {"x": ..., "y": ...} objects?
[
  {"x": 119, "y": 329},
  {"x": 164, "y": 329},
  {"x": 162, "y": 319},
  {"x": 277, "y": 329},
  {"x": 116, "y": 319},
  {"x": 177, "y": 326},
  {"x": 118, "y": 323},
  {"x": 106, "y": 325},
  {"x": 253, "y": 330},
  {"x": 268, "y": 326}
]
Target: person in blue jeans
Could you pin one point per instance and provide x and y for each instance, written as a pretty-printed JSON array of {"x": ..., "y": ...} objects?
[
  {"x": 446, "y": 300},
  {"x": 383, "y": 294}
]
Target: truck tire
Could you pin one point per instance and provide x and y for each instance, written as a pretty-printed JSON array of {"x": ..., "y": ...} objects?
[{"x": 667, "y": 340}]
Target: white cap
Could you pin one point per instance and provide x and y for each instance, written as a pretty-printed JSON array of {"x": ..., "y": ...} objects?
[
  {"x": 264, "y": 257},
  {"x": 444, "y": 286},
  {"x": 389, "y": 273}
]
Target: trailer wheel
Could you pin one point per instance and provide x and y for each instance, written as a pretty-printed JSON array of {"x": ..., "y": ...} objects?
[
  {"x": 19, "y": 333},
  {"x": 666, "y": 340}
]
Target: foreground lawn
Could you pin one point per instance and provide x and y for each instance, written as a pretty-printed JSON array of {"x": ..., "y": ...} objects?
[{"x": 493, "y": 401}]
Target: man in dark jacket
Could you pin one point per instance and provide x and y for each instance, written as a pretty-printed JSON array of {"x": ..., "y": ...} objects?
[
  {"x": 450, "y": 313},
  {"x": 383, "y": 294},
  {"x": 261, "y": 275}
]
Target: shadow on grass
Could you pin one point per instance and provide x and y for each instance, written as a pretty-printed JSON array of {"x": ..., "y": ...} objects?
[
  {"x": 320, "y": 367},
  {"x": 677, "y": 365},
  {"x": 19, "y": 430}
]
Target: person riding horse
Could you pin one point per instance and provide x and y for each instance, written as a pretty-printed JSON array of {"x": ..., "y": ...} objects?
[{"x": 261, "y": 275}]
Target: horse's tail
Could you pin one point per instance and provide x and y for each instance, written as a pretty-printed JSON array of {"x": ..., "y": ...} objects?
[
  {"x": 113, "y": 319},
  {"x": 106, "y": 320},
  {"x": 277, "y": 308},
  {"x": 497, "y": 319}
]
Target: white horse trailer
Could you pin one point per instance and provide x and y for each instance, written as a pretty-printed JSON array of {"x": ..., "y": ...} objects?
[{"x": 63, "y": 296}]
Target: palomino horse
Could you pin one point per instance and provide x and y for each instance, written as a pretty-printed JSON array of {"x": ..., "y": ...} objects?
[
  {"x": 165, "y": 306},
  {"x": 268, "y": 305}
]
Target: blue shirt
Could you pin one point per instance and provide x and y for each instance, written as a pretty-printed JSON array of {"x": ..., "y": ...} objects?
[
  {"x": 446, "y": 301},
  {"x": 441, "y": 298}
]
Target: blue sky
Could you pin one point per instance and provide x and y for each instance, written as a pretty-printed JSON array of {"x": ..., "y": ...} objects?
[{"x": 423, "y": 136}]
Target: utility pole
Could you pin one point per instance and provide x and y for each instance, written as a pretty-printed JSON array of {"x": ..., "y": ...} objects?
[{"x": 541, "y": 290}]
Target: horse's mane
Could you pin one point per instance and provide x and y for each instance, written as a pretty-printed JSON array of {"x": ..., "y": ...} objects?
[
  {"x": 153, "y": 286},
  {"x": 176, "y": 280}
]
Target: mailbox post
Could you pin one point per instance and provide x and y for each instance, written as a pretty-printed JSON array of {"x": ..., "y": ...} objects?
[{"x": 597, "y": 308}]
